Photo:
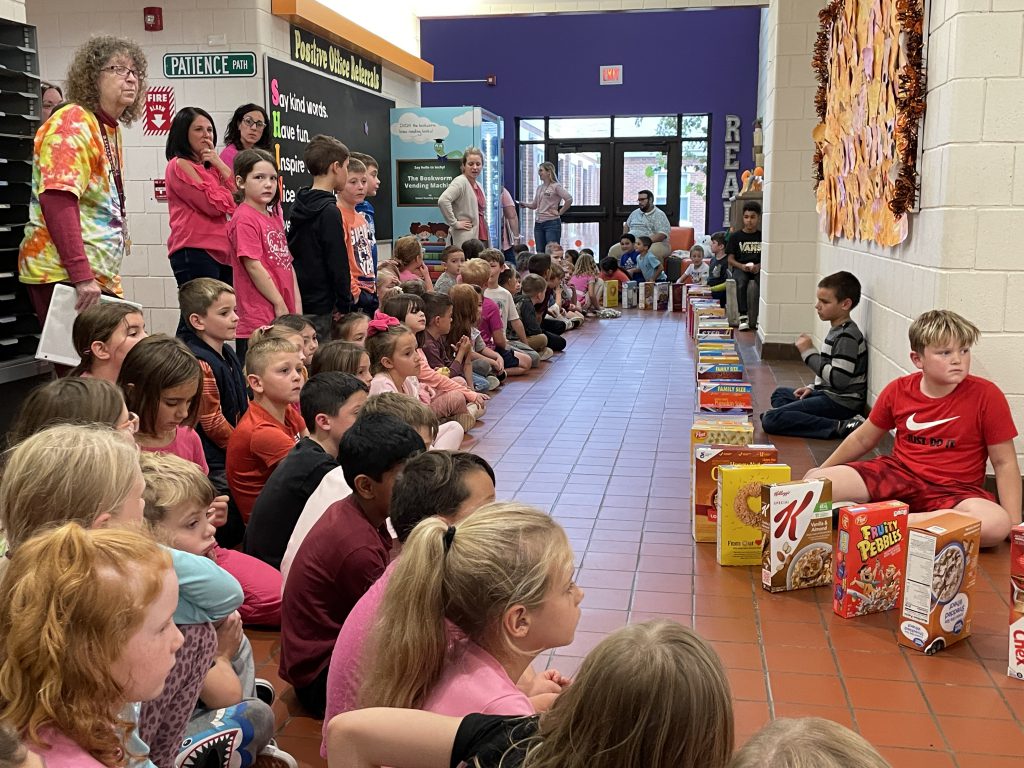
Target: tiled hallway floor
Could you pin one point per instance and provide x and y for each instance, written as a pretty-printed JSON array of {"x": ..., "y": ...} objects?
[{"x": 600, "y": 438}]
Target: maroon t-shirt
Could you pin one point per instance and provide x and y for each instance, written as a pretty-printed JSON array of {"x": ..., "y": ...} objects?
[{"x": 339, "y": 560}]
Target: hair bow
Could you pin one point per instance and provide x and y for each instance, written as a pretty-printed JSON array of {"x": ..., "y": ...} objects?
[{"x": 381, "y": 323}]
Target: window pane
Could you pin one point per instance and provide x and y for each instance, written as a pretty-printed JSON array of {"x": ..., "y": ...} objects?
[
  {"x": 580, "y": 174},
  {"x": 531, "y": 129},
  {"x": 530, "y": 158},
  {"x": 580, "y": 127},
  {"x": 641, "y": 170},
  {"x": 660, "y": 125},
  {"x": 693, "y": 186},
  {"x": 695, "y": 126},
  {"x": 581, "y": 234}
]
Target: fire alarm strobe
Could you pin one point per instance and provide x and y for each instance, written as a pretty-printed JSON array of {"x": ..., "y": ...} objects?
[{"x": 153, "y": 19}]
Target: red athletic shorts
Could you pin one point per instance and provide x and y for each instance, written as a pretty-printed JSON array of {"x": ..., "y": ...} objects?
[{"x": 886, "y": 478}]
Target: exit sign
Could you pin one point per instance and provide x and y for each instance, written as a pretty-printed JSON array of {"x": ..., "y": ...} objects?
[{"x": 611, "y": 74}]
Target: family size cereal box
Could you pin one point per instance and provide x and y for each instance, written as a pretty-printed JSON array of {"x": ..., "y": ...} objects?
[
  {"x": 611, "y": 293},
  {"x": 704, "y": 481},
  {"x": 717, "y": 331},
  {"x": 942, "y": 566},
  {"x": 738, "y": 533},
  {"x": 725, "y": 397},
  {"x": 704, "y": 312},
  {"x": 870, "y": 558},
  {"x": 797, "y": 525},
  {"x": 1016, "y": 668},
  {"x": 719, "y": 371}
]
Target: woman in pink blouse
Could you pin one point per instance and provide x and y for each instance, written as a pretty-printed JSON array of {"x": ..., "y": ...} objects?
[
  {"x": 200, "y": 197},
  {"x": 551, "y": 202}
]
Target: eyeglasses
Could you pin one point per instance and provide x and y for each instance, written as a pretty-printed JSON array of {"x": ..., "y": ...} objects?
[
  {"x": 131, "y": 424},
  {"x": 253, "y": 123},
  {"x": 123, "y": 71}
]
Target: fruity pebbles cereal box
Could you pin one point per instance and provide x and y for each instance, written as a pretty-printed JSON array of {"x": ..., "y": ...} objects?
[{"x": 870, "y": 558}]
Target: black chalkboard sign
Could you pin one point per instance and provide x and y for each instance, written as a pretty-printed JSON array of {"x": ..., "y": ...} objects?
[
  {"x": 421, "y": 182},
  {"x": 303, "y": 103}
]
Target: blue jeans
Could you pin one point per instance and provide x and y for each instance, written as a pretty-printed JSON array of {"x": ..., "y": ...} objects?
[
  {"x": 545, "y": 232},
  {"x": 816, "y": 416}
]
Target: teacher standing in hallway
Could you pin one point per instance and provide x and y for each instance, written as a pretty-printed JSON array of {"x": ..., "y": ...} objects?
[
  {"x": 551, "y": 201},
  {"x": 463, "y": 203}
]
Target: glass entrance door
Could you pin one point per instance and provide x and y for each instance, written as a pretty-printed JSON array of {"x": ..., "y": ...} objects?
[{"x": 584, "y": 169}]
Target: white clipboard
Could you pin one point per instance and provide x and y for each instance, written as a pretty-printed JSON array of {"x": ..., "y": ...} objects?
[{"x": 55, "y": 343}]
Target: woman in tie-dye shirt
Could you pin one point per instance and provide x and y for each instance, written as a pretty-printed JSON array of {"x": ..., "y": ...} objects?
[{"x": 78, "y": 231}]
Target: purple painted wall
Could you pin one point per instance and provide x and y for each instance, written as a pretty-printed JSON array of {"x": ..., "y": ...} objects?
[{"x": 697, "y": 61}]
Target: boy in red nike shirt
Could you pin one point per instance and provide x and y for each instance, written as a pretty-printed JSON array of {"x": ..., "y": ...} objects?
[{"x": 947, "y": 424}]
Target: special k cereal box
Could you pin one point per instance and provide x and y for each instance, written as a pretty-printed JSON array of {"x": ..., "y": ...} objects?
[
  {"x": 1016, "y": 668},
  {"x": 704, "y": 480},
  {"x": 738, "y": 534},
  {"x": 797, "y": 525},
  {"x": 870, "y": 558},
  {"x": 725, "y": 397},
  {"x": 942, "y": 566}
]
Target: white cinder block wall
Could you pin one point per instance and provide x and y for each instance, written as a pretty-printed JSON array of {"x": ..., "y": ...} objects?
[
  {"x": 13, "y": 10},
  {"x": 63, "y": 25}
]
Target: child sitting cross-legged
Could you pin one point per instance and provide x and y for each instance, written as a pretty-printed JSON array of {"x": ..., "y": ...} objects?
[
  {"x": 342, "y": 357},
  {"x": 407, "y": 252},
  {"x": 271, "y": 426},
  {"x": 518, "y": 336},
  {"x": 562, "y": 302},
  {"x": 466, "y": 302},
  {"x": 696, "y": 272},
  {"x": 584, "y": 281},
  {"x": 351, "y": 327},
  {"x": 477, "y": 272},
  {"x": 344, "y": 553},
  {"x": 228, "y": 712},
  {"x": 532, "y": 308},
  {"x": 448, "y": 484},
  {"x": 442, "y": 353},
  {"x": 948, "y": 424},
  {"x": 501, "y": 296},
  {"x": 466, "y": 611},
  {"x": 453, "y": 258},
  {"x": 395, "y": 365},
  {"x": 330, "y": 403}
]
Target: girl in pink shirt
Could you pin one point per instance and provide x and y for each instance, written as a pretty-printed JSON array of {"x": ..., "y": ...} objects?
[
  {"x": 408, "y": 255},
  {"x": 466, "y": 611},
  {"x": 265, "y": 283},
  {"x": 200, "y": 197}
]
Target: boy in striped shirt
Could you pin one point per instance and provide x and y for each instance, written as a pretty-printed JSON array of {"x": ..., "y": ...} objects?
[{"x": 833, "y": 405}]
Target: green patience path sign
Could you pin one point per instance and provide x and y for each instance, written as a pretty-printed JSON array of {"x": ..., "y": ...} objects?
[{"x": 182, "y": 65}]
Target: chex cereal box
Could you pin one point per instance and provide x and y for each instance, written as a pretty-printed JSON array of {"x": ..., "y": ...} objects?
[
  {"x": 797, "y": 548},
  {"x": 704, "y": 480},
  {"x": 725, "y": 397},
  {"x": 719, "y": 371},
  {"x": 870, "y": 558},
  {"x": 661, "y": 296},
  {"x": 738, "y": 535},
  {"x": 942, "y": 566},
  {"x": 611, "y": 293},
  {"x": 1016, "y": 668}
]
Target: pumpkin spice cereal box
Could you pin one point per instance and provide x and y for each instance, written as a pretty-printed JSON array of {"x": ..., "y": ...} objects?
[
  {"x": 870, "y": 558},
  {"x": 704, "y": 481},
  {"x": 1016, "y": 668},
  {"x": 739, "y": 510},
  {"x": 937, "y": 606},
  {"x": 725, "y": 397},
  {"x": 797, "y": 527}
]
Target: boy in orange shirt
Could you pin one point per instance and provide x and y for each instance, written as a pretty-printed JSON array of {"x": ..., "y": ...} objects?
[
  {"x": 358, "y": 239},
  {"x": 271, "y": 426}
]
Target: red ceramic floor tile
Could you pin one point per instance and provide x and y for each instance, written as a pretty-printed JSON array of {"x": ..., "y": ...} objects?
[
  {"x": 890, "y": 695},
  {"x": 733, "y": 630},
  {"x": 620, "y": 547},
  {"x": 612, "y": 599},
  {"x": 919, "y": 758},
  {"x": 914, "y": 731},
  {"x": 680, "y": 583},
  {"x": 738, "y": 655},
  {"x": 795, "y": 688},
  {"x": 726, "y": 607},
  {"x": 656, "y": 564},
  {"x": 662, "y": 602},
  {"x": 966, "y": 701},
  {"x": 592, "y": 577},
  {"x": 864, "y": 664},
  {"x": 639, "y": 617},
  {"x": 601, "y": 620},
  {"x": 747, "y": 684},
  {"x": 610, "y": 561},
  {"x": 583, "y": 643},
  {"x": 305, "y": 750},
  {"x": 943, "y": 668},
  {"x": 784, "y": 658},
  {"x": 966, "y": 760},
  {"x": 793, "y": 633},
  {"x": 839, "y": 714},
  {"x": 988, "y": 737}
]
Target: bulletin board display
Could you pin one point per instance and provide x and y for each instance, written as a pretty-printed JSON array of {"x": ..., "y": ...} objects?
[{"x": 302, "y": 103}]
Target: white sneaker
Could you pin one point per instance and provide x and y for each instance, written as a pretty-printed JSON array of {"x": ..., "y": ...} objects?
[
  {"x": 274, "y": 755},
  {"x": 744, "y": 326},
  {"x": 493, "y": 383},
  {"x": 547, "y": 354}
]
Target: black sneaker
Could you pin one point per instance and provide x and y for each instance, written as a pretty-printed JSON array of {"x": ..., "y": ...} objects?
[
  {"x": 847, "y": 427},
  {"x": 265, "y": 691}
]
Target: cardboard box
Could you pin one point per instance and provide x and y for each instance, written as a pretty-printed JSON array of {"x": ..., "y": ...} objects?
[
  {"x": 719, "y": 371},
  {"x": 662, "y": 291},
  {"x": 1016, "y": 667},
  {"x": 725, "y": 397},
  {"x": 719, "y": 430},
  {"x": 611, "y": 293},
  {"x": 646, "y": 300},
  {"x": 870, "y": 558},
  {"x": 796, "y": 551},
  {"x": 630, "y": 294},
  {"x": 723, "y": 331},
  {"x": 942, "y": 565},
  {"x": 704, "y": 481},
  {"x": 678, "y": 297},
  {"x": 738, "y": 535}
]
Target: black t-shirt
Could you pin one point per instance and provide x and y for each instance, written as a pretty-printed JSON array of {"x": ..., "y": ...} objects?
[
  {"x": 488, "y": 737},
  {"x": 718, "y": 272},
  {"x": 745, "y": 247}
]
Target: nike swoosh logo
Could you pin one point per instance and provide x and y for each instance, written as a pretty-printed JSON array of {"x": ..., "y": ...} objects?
[{"x": 916, "y": 426}]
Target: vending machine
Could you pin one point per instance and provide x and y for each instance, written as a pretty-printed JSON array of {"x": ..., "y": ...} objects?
[{"x": 427, "y": 144}]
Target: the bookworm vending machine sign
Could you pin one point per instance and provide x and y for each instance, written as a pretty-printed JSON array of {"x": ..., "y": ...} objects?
[{"x": 303, "y": 103}]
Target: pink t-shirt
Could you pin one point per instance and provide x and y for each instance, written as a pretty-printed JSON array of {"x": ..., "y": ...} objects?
[
  {"x": 259, "y": 236},
  {"x": 473, "y": 681},
  {"x": 481, "y": 204},
  {"x": 186, "y": 445},
  {"x": 490, "y": 321},
  {"x": 228, "y": 155},
  {"x": 63, "y": 752},
  {"x": 261, "y": 587}
]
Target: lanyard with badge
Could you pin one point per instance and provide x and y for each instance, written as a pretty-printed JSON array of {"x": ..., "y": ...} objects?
[{"x": 115, "y": 169}]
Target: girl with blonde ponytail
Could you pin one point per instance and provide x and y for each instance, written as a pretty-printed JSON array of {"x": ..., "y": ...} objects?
[{"x": 503, "y": 579}]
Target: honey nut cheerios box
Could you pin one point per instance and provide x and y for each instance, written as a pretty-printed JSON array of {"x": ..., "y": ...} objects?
[
  {"x": 1016, "y": 667},
  {"x": 870, "y": 558},
  {"x": 738, "y": 536},
  {"x": 797, "y": 525},
  {"x": 704, "y": 481},
  {"x": 937, "y": 605}
]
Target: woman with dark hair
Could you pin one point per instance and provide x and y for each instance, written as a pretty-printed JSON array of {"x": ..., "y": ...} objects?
[
  {"x": 50, "y": 96},
  {"x": 200, "y": 197},
  {"x": 78, "y": 229},
  {"x": 249, "y": 128}
]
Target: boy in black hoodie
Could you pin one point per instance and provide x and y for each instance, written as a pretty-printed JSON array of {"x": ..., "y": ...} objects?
[{"x": 316, "y": 236}]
